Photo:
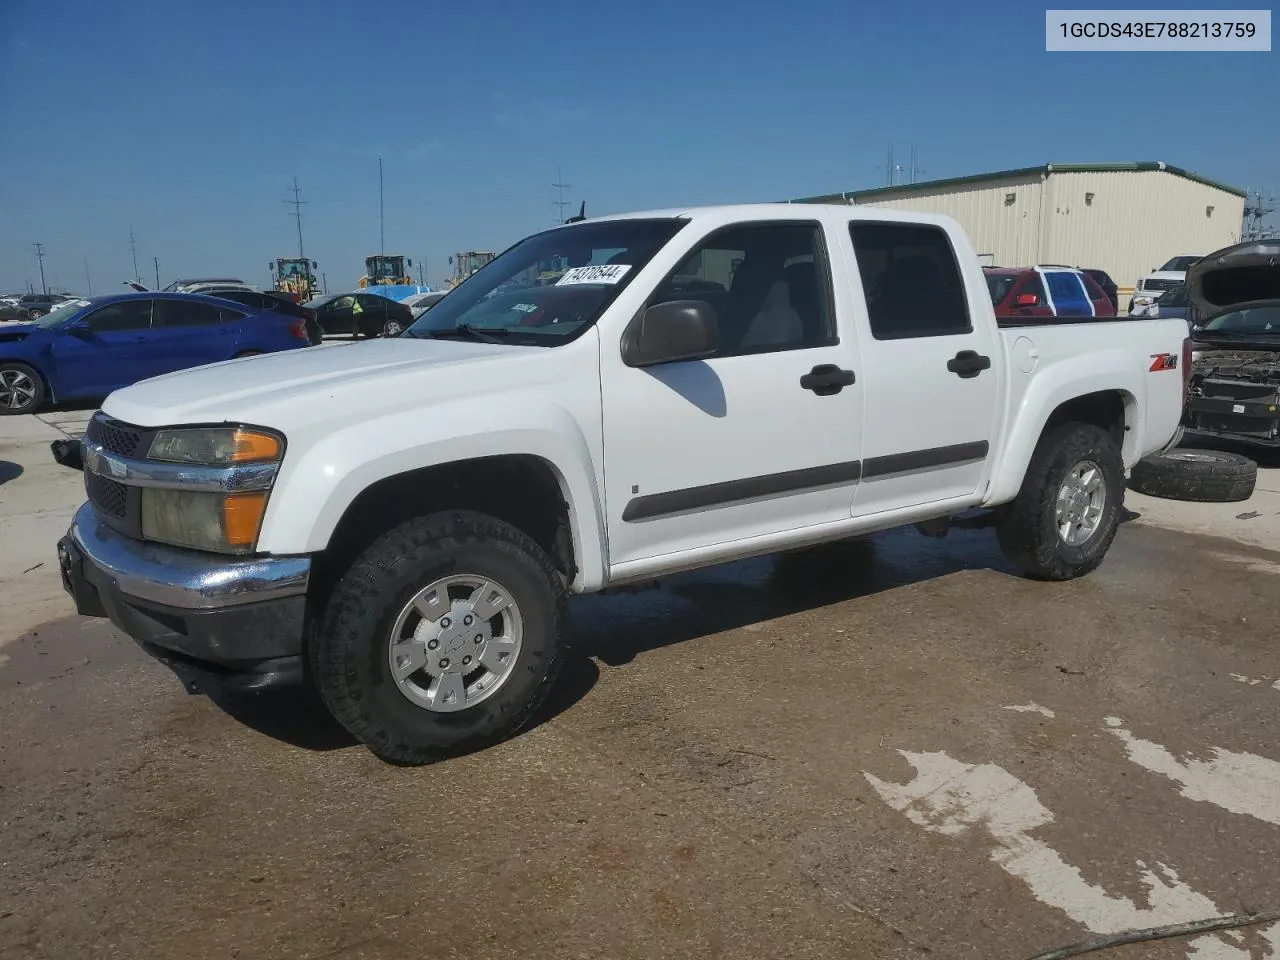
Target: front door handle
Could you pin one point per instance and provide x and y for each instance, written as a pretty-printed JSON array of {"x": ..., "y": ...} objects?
[
  {"x": 827, "y": 379},
  {"x": 968, "y": 363}
]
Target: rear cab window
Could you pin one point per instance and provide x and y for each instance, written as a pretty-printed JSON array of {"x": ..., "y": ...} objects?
[{"x": 911, "y": 280}]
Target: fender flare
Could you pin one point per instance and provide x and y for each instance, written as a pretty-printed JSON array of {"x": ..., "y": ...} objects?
[
  {"x": 314, "y": 490},
  {"x": 1111, "y": 371}
]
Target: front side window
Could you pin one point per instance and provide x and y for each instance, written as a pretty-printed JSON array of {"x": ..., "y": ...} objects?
[
  {"x": 125, "y": 315},
  {"x": 911, "y": 280},
  {"x": 767, "y": 283},
  {"x": 549, "y": 288}
]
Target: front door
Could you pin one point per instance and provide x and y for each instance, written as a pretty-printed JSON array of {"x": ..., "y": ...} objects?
[
  {"x": 932, "y": 384},
  {"x": 106, "y": 350},
  {"x": 759, "y": 439}
]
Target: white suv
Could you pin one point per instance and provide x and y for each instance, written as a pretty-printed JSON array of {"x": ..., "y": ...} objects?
[{"x": 1149, "y": 288}]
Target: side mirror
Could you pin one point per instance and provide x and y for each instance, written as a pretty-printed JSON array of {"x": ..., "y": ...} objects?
[
  {"x": 410, "y": 262},
  {"x": 1026, "y": 300},
  {"x": 271, "y": 268},
  {"x": 314, "y": 265},
  {"x": 669, "y": 332}
]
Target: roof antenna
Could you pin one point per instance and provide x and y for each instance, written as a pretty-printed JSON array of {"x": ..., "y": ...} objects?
[{"x": 582, "y": 214}]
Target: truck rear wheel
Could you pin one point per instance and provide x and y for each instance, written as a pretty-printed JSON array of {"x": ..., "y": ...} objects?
[
  {"x": 1066, "y": 514},
  {"x": 443, "y": 637}
]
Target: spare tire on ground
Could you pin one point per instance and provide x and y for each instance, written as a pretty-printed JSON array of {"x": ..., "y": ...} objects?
[{"x": 1206, "y": 476}]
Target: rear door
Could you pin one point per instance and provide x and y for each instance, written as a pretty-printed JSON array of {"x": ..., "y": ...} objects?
[
  {"x": 188, "y": 333},
  {"x": 931, "y": 385},
  {"x": 108, "y": 350}
]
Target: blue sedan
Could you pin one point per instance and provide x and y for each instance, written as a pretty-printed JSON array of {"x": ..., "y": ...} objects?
[{"x": 85, "y": 349}]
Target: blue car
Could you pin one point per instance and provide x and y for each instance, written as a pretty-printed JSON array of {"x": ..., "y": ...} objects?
[{"x": 85, "y": 349}]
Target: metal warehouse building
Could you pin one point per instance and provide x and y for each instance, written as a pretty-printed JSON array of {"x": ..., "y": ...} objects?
[{"x": 1125, "y": 218}]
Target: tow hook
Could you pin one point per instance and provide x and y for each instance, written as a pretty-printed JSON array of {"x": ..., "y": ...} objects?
[{"x": 68, "y": 453}]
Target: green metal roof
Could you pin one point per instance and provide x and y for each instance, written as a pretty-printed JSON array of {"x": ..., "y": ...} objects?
[{"x": 1043, "y": 169}]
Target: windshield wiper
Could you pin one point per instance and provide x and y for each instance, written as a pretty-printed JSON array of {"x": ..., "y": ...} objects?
[{"x": 483, "y": 335}]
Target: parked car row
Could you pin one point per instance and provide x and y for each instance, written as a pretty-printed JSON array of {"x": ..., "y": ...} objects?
[
  {"x": 23, "y": 307},
  {"x": 87, "y": 348}
]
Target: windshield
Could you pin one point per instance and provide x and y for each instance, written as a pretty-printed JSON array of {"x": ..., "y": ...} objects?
[
  {"x": 1179, "y": 264},
  {"x": 551, "y": 286},
  {"x": 61, "y": 312},
  {"x": 999, "y": 285},
  {"x": 384, "y": 268},
  {"x": 1254, "y": 320},
  {"x": 292, "y": 269},
  {"x": 1175, "y": 296}
]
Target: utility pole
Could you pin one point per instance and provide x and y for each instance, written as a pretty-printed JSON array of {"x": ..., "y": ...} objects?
[
  {"x": 422, "y": 272},
  {"x": 888, "y": 168},
  {"x": 297, "y": 203},
  {"x": 324, "y": 280},
  {"x": 44, "y": 287},
  {"x": 156, "y": 261},
  {"x": 87, "y": 282},
  {"x": 133, "y": 249},
  {"x": 560, "y": 201},
  {"x": 382, "y": 220}
]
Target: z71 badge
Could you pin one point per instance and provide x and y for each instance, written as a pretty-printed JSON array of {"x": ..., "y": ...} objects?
[{"x": 1164, "y": 361}]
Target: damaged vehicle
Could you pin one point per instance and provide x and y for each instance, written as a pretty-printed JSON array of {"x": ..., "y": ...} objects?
[{"x": 1235, "y": 313}]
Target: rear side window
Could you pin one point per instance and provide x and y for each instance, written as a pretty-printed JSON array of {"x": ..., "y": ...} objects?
[
  {"x": 231, "y": 316},
  {"x": 180, "y": 313},
  {"x": 911, "y": 281}
]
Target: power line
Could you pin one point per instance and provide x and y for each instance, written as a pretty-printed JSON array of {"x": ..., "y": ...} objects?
[
  {"x": 560, "y": 201},
  {"x": 297, "y": 204},
  {"x": 44, "y": 287}
]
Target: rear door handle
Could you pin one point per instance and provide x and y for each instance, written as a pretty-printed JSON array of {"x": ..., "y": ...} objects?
[
  {"x": 827, "y": 379},
  {"x": 968, "y": 363}
]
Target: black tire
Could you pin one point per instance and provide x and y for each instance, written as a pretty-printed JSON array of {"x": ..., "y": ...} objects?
[
  {"x": 1028, "y": 530},
  {"x": 1205, "y": 476},
  {"x": 349, "y": 657},
  {"x": 22, "y": 389}
]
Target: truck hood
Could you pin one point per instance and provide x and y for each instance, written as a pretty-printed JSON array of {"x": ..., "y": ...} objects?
[
  {"x": 1242, "y": 275},
  {"x": 311, "y": 383}
]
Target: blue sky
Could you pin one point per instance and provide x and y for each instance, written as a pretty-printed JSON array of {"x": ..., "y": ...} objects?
[{"x": 188, "y": 121}]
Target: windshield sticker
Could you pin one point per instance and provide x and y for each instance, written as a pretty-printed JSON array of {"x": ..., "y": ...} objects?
[
  {"x": 609, "y": 273},
  {"x": 525, "y": 307}
]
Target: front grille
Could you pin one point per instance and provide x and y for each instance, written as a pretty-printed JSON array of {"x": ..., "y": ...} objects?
[
  {"x": 114, "y": 436},
  {"x": 108, "y": 496},
  {"x": 117, "y": 505},
  {"x": 1156, "y": 283}
]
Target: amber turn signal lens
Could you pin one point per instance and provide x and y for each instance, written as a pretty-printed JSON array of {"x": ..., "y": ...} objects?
[
  {"x": 252, "y": 446},
  {"x": 242, "y": 517}
]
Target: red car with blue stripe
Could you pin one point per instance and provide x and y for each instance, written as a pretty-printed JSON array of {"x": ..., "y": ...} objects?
[{"x": 1032, "y": 293}]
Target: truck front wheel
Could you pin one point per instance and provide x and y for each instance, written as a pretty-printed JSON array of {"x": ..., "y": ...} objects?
[
  {"x": 443, "y": 637},
  {"x": 1066, "y": 514}
]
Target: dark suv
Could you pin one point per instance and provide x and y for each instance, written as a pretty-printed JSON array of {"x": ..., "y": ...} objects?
[{"x": 38, "y": 304}]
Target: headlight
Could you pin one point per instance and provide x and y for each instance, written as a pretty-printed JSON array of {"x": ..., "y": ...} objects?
[
  {"x": 209, "y": 519},
  {"x": 215, "y": 446},
  {"x": 218, "y": 522}
]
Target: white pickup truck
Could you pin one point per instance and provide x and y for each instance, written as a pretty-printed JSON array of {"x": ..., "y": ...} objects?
[{"x": 400, "y": 521}]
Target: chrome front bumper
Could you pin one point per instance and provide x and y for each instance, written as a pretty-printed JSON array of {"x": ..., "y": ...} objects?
[{"x": 239, "y": 618}]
